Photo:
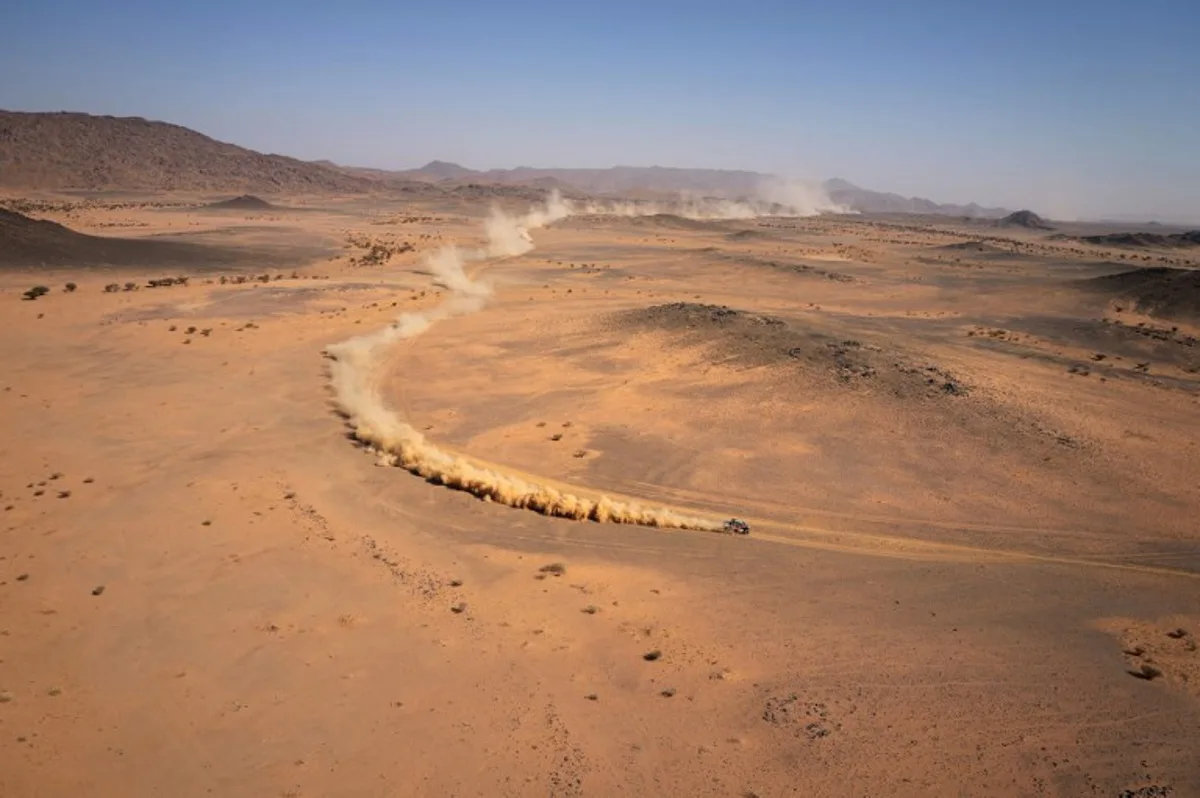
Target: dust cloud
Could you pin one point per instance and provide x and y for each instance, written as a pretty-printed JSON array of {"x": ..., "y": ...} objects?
[
  {"x": 774, "y": 197},
  {"x": 355, "y": 376}
]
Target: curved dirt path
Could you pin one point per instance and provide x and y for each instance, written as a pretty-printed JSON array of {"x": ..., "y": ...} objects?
[{"x": 360, "y": 363}]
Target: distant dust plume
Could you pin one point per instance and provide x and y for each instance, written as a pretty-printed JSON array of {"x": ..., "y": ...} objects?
[
  {"x": 774, "y": 197},
  {"x": 355, "y": 377}
]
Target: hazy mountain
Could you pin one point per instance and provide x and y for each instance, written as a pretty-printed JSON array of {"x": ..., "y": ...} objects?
[
  {"x": 616, "y": 180},
  {"x": 867, "y": 201},
  {"x": 665, "y": 181}
]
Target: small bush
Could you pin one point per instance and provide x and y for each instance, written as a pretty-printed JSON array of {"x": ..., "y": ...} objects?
[
  {"x": 69, "y": 287},
  {"x": 35, "y": 292},
  {"x": 112, "y": 288},
  {"x": 130, "y": 286}
]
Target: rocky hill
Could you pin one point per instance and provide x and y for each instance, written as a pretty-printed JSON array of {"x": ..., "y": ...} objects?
[
  {"x": 1027, "y": 219},
  {"x": 81, "y": 151},
  {"x": 1189, "y": 239}
]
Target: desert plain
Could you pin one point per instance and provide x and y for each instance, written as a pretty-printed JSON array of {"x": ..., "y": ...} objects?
[{"x": 969, "y": 455}]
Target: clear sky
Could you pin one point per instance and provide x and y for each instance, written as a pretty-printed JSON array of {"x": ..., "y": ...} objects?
[{"x": 1072, "y": 108}]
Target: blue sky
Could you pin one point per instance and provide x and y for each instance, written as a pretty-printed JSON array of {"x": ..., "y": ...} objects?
[{"x": 1071, "y": 108}]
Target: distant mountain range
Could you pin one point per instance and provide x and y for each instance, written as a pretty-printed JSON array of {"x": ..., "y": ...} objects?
[
  {"x": 64, "y": 150},
  {"x": 656, "y": 182},
  {"x": 867, "y": 201}
]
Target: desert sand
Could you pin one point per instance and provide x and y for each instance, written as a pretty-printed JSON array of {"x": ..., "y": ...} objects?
[{"x": 968, "y": 455}]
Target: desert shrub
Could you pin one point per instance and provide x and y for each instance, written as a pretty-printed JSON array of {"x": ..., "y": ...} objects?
[
  {"x": 35, "y": 292},
  {"x": 69, "y": 287},
  {"x": 112, "y": 288},
  {"x": 130, "y": 286}
]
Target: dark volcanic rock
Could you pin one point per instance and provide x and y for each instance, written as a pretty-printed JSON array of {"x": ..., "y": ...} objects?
[
  {"x": 246, "y": 202},
  {"x": 1145, "y": 240},
  {"x": 756, "y": 340},
  {"x": 1026, "y": 219},
  {"x": 1158, "y": 291}
]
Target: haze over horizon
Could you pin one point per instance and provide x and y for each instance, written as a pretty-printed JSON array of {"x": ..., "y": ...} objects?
[{"x": 1073, "y": 109}]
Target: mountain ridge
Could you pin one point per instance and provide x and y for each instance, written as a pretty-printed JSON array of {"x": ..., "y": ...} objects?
[
  {"x": 652, "y": 181},
  {"x": 72, "y": 150}
]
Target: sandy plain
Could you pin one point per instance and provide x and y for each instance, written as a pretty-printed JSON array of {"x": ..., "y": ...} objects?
[{"x": 971, "y": 477}]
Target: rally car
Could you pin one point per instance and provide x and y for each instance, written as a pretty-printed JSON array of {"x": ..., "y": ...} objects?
[{"x": 736, "y": 526}]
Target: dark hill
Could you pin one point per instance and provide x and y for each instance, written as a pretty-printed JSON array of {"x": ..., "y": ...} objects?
[
  {"x": 81, "y": 151},
  {"x": 1026, "y": 219},
  {"x": 26, "y": 243},
  {"x": 1159, "y": 291},
  {"x": 246, "y": 202},
  {"x": 1145, "y": 240}
]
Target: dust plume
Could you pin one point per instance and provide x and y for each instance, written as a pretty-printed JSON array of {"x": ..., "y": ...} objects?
[
  {"x": 354, "y": 375},
  {"x": 774, "y": 197},
  {"x": 799, "y": 197}
]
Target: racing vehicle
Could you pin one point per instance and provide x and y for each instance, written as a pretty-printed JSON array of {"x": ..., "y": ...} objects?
[{"x": 736, "y": 526}]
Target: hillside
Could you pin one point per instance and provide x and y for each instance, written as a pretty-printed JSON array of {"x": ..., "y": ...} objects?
[
  {"x": 81, "y": 151},
  {"x": 1027, "y": 219},
  {"x": 26, "y": 243},
  {"x": 1156, "y": 291},
  {"x": 1188, "y": 239}
]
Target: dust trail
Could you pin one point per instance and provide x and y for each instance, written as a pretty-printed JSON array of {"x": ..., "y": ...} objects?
[
  {"x": 354, "y": 375},
  {"x": 772, "y": 197}
]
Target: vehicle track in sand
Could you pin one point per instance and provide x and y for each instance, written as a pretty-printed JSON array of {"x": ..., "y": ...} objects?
[{"x": 770, "y": 521}]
